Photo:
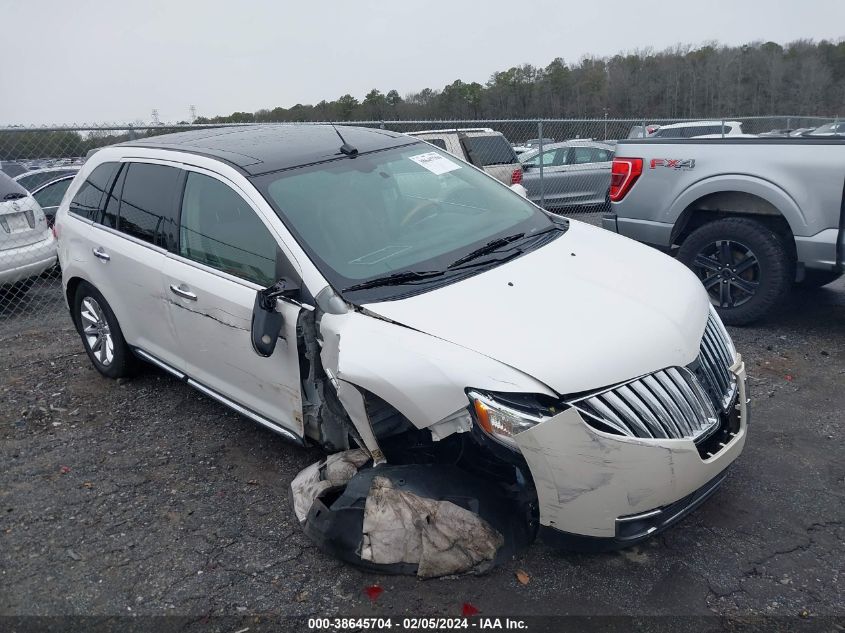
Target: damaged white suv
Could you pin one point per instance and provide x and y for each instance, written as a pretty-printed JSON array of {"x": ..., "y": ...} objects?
[{"x": 481, "y": 370}]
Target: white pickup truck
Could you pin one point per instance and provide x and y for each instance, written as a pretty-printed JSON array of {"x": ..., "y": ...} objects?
[{"x": 749, "y": 216}]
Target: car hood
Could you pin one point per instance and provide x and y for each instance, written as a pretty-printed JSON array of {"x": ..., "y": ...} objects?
[{"x": 588, "y": 310}]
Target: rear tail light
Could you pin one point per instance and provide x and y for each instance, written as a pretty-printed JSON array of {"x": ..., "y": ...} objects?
[
  {"x": 623, "y": 175},
  {"x": 516, "y": 176},
  {"x": 30, "y": 218}
]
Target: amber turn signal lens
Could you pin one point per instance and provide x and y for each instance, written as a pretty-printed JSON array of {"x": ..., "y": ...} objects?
[{"x": 483, "y": 416}]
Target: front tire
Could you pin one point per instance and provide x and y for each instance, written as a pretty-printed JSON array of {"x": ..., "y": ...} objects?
[
  {"x": 746, "y": 268},
  {"x": 100, "y": 332}
]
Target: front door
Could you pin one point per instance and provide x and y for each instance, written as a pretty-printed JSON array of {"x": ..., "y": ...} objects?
[{"x": 225, "y": 254}]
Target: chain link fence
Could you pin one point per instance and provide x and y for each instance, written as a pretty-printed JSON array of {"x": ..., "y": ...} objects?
[{"x": 564, "y": 164}]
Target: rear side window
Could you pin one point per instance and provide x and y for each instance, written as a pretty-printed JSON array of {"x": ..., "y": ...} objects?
[
  {"x": 87, "y": 201},
  {"x": 221, "y": 230},
  {"x": 149, "y": 203},
  {"x": 437, "y": 142},
  {"x": 52, "y": 194},
  {"x": 489, "y": 150}
]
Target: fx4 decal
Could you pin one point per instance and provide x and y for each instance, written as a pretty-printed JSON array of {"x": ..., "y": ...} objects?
[{"x": 673, "y": 163}]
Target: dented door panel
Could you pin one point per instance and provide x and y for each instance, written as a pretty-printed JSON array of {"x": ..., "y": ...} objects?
[{"x": 215, "y": 341}]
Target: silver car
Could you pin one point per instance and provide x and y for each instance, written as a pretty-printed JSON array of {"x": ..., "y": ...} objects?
[
  {"x": 27, "y": 245},
  {"x": 574, "y": 174}
]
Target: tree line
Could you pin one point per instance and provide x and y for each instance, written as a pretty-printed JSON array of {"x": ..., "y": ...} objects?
[
  {"x": 760, "y": 78},
  {"x": 710, "y": 81}
]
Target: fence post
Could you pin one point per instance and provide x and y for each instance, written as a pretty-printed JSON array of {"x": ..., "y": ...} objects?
[
  {"x": 540, "y": 162},
  {"x": 723, "y": 128}
]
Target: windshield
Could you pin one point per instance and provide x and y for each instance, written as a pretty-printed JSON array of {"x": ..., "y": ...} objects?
[{"x": 413, "y": 208}]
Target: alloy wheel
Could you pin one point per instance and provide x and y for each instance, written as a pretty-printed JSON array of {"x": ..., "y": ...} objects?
[
  {"x": 96, "y": 330},
  {"x": 730, "y": 272}
]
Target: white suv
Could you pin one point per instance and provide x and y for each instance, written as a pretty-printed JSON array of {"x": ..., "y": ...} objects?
[{"x": 455, "y": 346}]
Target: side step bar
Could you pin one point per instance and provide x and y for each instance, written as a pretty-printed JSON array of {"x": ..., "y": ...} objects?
[{"x": 211, "y": 393}]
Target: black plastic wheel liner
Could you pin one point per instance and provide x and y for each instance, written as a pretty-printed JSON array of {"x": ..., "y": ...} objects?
[{"x": 335, "y": 520}]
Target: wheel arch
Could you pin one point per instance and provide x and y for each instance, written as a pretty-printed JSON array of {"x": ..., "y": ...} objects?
[{"x": 719, "y": 197}]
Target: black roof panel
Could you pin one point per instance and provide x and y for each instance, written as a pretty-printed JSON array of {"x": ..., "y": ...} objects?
[{"x": 259, "y": 149}]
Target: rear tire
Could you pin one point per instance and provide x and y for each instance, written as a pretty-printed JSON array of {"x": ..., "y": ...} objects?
[
  {"x": 101, "y": 334},
  {"x": 818, "y": 278},
  {"x": 746, "y": 268}
]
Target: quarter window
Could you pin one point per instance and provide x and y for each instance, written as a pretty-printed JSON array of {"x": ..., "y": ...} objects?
[
  {"x": 219, "y": 229},
  {"x": 148, "y": 203},
  {"x": 87, "y": 201}
]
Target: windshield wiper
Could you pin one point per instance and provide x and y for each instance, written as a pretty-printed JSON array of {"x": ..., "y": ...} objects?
[
  {"x": 396, "y": 279},
  {"x": 489, "y": 247}
]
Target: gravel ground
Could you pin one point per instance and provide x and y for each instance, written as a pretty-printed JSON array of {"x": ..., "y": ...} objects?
[{"x": 144, "y": 497}]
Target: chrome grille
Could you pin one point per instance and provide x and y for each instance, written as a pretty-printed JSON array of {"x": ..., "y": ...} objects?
[
  {"x": 714, "y": 361},
  {"x": 669, "y": 404},
  {"x": 672, "y": 403}
]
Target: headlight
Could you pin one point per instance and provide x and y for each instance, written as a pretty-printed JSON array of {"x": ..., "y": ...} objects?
[{"x": 503, "y": 421}]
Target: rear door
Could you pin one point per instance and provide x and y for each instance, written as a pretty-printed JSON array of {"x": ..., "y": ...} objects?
[
  {"x": 127, "y": 248},
  {"x": 226, "y": 253}
]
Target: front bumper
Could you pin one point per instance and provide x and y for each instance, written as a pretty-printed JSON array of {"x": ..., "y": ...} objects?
[{"x": 596, "y": 490}]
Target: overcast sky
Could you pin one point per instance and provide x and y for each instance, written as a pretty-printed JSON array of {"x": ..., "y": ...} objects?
[{"x": 114, "y": 61}]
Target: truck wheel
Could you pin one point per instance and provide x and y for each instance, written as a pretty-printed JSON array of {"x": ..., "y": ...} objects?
[
  {"x": 818, "y": 278},
  {"x": 745, "y": 267}
]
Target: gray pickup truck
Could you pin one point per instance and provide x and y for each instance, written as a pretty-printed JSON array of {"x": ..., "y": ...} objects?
[{"x": 750, "y": 217}]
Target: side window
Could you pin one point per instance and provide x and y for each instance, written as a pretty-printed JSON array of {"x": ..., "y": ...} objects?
[
  {"x": 52, "y": 194},
  {"x": 582, "y": 155},
  {"x": 438, "y": 142},
  {"x": 219, "y": 229},
  {"x": 111, "y": 203},
  {"x": 87, "y": 201},
  {"x": 149, "y": 203}
]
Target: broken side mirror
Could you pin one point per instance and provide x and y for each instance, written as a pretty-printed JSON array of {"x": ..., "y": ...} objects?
[{"x": 266, "y": 321}]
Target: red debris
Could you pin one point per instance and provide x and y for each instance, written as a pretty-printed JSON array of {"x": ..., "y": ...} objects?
[
  {"x": 373, "y": 592},
  {"x": 64, "y": 470},
  {"x": 468, "y": 609},
  {"x": 789, "y": 377}
]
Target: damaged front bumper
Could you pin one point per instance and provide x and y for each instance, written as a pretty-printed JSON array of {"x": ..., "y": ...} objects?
[
  {"x": 428, "y": 520},
  {"x": 600, "y": 491}
]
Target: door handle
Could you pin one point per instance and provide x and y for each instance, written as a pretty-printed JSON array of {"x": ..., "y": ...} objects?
[
  {"x": 99, "y": 253},
  {"x": 183, "y": 292}
]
